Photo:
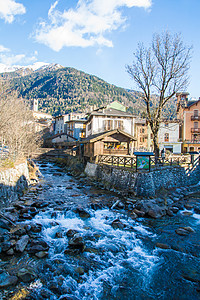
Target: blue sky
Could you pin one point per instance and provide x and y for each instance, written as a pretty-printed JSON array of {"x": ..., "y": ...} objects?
[{"x": 95, "y": 36}]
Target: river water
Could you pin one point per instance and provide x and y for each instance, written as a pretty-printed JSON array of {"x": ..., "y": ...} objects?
[{"x": 116, "y": 263}]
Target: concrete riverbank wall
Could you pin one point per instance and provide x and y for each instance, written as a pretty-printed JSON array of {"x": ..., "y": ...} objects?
[
  {"x": 143, "y": 184},
  {"x": 12, "y": 182}
]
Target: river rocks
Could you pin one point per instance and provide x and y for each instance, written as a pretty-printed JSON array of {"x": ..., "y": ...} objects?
[
  {"x": 139, "y": 213},
  {"x": 26, "y": 274},
  {"x": 82, "y": 213},
  {"x": 170, "y": 212},
  {"x": 133, "y": 215},
  {"x": 163, "y": 246},
  {"x": 22, "y": 243},
  {"x": 117, "y": 224},
  {"x": 150, "y": 208},
  {"x": 37, "y": 245},
  {"x": 41, "y": 254},
  {"x": 174, "y": 209},
  {"x": 7, "y": 280},
  {"x": 18, "y": 230},
  {"x": 71, "y": 232},
  {"x": 60, "y": 234},
  {"x": 80, "y": 270},
  {"x": 187, "y": 213},
  {"x": 36, "y": 228},
  {"x": 184, "y": 231},
  {"x": 76, "y": 242},
  {"x": 4, "y": 224},
  {"x": 156, "y": 211},
  {"x": 191, "y": 275},
  {"x": 5, "y": 246}
]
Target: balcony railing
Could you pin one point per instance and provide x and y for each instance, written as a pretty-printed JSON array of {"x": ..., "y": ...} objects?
[
  {"x": 196, "y": 130},
  {"x": 195, "y": 118}
]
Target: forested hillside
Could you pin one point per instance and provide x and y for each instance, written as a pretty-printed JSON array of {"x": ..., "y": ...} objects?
[{"x": 62, "y": 90}]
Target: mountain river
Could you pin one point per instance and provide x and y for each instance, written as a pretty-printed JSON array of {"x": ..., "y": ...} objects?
[{"x": 105, "y": 261}]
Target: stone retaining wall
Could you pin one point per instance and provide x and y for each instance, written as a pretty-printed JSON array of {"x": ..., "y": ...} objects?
[
  {"x": 12, "y": 182},
  {"x": 143, "y": 184}
]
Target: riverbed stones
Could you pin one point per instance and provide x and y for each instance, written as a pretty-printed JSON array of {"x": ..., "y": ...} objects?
[
  {"x": 184, "y": 231},
  {"x": 163, "y": 246},
  {"x": 80, "y": 270},
  {"x": 4, "y": 224},
  {"x": 151, "y": 208},
  {"x": 76, "y": 242},
  {"x": 7, "y": 280},
  {"x": 82, "y": 213},
  {"x": 22, "y": 243},
  {"x": 41, "y": 254},
  {"x": 71, "y": 232},
  {"x": 117, "y": 224},
  {"x": 37, "y": 245},
  {"x": 187, "y": 213},
  {"x": 139, "y": 213},
  {"x": 26, "y": 274}
]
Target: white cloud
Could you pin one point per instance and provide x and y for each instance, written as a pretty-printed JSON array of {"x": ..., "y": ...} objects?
[
  {"x": 4, "y": 49},
  {"x": 10, "y": 59},
  {"x": 10, "y": 8},
  {"x": 86, "y": 25}
]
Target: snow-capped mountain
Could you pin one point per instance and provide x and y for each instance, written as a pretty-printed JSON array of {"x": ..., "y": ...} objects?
[{"x": 34, "y": 67}]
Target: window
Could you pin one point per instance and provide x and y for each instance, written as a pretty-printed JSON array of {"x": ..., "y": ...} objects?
[
  {"x": 108, "y": 124},
  {"x": 195, "y": 124},
  {"x": 166, "y": 137},
  {"x": 196, "y": 112},
  {"x": 118, "y": 124}
]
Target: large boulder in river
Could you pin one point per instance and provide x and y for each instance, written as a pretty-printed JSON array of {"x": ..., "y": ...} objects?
[
  {"x": 76, "y": 242},
  {"x": 37, "y": 245},
  {"x": 151, "y": 208}
]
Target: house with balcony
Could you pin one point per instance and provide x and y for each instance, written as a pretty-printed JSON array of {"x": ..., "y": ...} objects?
[
  {"x": 189, "y": 114},
  {"x": 110, "y": 131},
  {"x": 108, "y": 118}
]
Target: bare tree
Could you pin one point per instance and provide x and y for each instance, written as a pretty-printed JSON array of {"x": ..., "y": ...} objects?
[
  {"x": 17, "y": 127},
  {"x": 162, "y": 70}
]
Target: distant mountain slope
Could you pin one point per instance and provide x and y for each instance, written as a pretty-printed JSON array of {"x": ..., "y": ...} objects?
[{"x": 62, "y": 90}]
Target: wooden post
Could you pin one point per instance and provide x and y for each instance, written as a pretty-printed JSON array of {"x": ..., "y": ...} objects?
[
  {"x": 96, "y": 159},
  {"x": 124, "y": 162},
  {"x": 112, "y": 160},
  {"x": 118, "y": 161}
]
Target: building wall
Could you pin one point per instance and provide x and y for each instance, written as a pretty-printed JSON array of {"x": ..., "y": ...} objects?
[
  {"x": 141, "y": 134},
  {"x": 97, "y": 124},
  {"x": 60, "y": 123},
  {"x": 168, "y": 137},
  {"x": 191, "y": 128}
]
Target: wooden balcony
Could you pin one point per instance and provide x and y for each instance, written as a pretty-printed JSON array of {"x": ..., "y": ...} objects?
[
  {"x": 195, "y": 118},
  {"x": 195, "y": 130},
  {"x": 115, "y": 151}
]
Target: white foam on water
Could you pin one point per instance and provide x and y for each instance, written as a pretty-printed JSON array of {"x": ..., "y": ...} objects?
[{"x": 117, "y": 249}]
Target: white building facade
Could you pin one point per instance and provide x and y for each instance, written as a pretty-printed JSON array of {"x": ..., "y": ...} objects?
[
  {"x": 169, "y": 137},
  {"x": 105, "y": 119}
]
